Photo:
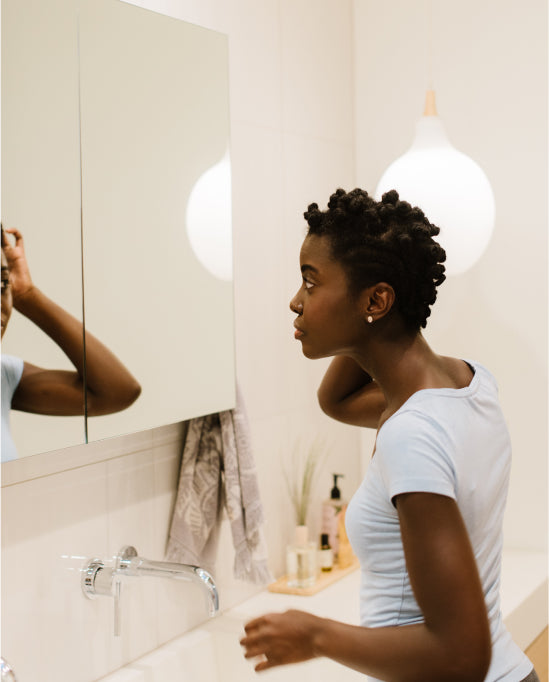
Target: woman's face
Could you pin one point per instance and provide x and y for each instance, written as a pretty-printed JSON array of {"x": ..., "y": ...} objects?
[
  {"x": 7, "y": 302},
  {"x": 329, "y": 321}
]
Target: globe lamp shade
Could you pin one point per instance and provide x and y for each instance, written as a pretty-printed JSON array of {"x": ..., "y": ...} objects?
[
  {"x": 451, "y": 189},
  {"x": 209, "y": 220}
]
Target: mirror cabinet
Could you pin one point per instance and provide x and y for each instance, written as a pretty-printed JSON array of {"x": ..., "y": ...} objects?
[{"x": 111, "y": 115}]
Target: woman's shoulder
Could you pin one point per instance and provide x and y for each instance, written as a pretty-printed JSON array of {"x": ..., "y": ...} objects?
[{"x": 412, "y": 422}]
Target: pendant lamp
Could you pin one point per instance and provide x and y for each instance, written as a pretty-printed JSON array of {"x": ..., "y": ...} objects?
[
  {"x": 451, "y": 189},
  {"x": 209, "y": 223}
]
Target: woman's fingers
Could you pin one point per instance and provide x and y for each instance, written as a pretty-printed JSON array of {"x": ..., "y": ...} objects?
[
  {"x": 279, "y": 638},
  {"x": 15, "y": 232}
]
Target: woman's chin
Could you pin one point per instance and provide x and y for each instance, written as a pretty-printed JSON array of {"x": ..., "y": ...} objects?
[{"x": 311, "y": 354}]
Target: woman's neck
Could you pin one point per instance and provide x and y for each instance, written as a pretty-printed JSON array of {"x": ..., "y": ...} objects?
[{"x": 403, "y": 367}]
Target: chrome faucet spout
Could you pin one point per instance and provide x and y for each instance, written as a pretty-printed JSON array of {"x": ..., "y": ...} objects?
[
  {"x": 100, "y": 579},
  {"x": 131, "y": 565}
]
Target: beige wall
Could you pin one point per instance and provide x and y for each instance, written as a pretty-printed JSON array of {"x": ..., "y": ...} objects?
[{"x": 489, "y": 71}]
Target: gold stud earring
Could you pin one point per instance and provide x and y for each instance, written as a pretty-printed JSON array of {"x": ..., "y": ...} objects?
[{"x": 370, "y": 319}]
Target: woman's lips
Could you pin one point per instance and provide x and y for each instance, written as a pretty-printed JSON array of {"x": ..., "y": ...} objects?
[{"x": 298, "y": 332}]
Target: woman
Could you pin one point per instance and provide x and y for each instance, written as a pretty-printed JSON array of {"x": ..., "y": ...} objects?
[
  {"x": 109, "y": 387},
  {"x": 426, "y": 522}
]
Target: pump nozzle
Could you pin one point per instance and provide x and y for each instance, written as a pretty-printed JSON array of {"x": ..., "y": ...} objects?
[{"x": 335, "y": 493}]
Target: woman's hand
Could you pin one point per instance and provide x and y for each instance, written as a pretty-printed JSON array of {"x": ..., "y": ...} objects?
[
  {"x": 348, "y": 394},
  {"x": 281, "y": 638},
  {"x": 20, "y": 278}
]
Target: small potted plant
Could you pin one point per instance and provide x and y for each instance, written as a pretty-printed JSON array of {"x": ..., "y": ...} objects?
[{"x": 301, "y": 554}]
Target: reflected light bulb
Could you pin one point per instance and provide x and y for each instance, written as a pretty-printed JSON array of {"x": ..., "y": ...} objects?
[
  {"x": 449, "y": 187},
  {"x": 209, "y": 220}
]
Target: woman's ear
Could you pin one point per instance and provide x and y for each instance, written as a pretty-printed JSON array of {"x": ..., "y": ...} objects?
[{"x": 377, "y": 301}]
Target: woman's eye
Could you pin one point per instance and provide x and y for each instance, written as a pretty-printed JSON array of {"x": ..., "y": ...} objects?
[{"x": 307, "y": 284}]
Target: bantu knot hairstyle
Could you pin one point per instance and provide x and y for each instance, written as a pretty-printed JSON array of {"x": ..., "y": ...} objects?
[{"x": 384, "y": 241}]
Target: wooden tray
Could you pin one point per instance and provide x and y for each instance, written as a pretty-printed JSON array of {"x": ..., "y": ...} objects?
[{"x": 324, "y": 579}]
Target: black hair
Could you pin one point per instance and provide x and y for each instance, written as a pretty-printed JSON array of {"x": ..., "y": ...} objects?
[{"x": 383, "y": 241}]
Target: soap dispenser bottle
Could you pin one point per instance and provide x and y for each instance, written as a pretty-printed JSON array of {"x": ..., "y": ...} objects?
[{"x": 331, "y": 511}]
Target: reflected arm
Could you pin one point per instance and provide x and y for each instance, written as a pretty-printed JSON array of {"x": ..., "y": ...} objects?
[
  {"x": 110, "y": 387},
  {"x": 348, "y": 393}
]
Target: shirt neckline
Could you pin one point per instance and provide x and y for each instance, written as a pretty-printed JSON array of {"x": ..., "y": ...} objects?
[{"x": 463, "y": 392}]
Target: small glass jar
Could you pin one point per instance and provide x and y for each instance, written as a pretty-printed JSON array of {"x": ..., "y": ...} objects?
[{"x": 301, "y": 565}]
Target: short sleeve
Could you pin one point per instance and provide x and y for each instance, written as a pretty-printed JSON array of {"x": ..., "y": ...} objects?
[
  {"x": 415, "y": 456},
  {"x": 12, "y": 369}
]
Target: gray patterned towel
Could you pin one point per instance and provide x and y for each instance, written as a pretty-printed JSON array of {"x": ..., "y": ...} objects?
[{"x": 218, "y": 470}]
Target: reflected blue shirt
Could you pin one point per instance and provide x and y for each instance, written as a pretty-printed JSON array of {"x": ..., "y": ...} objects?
[{"x": 12, "y": 369}]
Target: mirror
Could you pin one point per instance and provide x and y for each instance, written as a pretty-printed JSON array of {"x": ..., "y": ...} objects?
[
  {"x": 154, "y": 95},
  {"x": 140, "y": 100},
  {"x": 41, "y": 188}
]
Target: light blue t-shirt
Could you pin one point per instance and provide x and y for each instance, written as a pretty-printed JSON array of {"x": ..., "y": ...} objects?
[
  {"x": 452, "y": 442},
  {"x": 12, "y": 369}
]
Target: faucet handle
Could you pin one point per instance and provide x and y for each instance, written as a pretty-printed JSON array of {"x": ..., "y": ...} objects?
[{"x": 96, "y": 579}]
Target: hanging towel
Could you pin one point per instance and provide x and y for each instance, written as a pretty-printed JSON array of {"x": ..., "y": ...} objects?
[
  {"x": 218, "y": 471},
  {"x": 195, "y": 521}
]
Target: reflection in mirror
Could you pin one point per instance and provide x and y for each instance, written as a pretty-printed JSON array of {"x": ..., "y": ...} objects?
[
  {"x": 164, "y": 83},
  {"x": 154, "y": 119},
  {"x": 109, "y": 387},
  {"x": 41, "y": 188}
]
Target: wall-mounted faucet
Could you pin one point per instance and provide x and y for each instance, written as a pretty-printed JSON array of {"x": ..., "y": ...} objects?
[
  {"x": 6, "y": 672},
  {"x": 99, "y": 579}
]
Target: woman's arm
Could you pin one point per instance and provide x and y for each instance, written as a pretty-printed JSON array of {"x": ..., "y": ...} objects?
[
  {"x": 348, "y": 394},
  {"x": 109, "y": 385},
  {"x": 453, "y": 643}
]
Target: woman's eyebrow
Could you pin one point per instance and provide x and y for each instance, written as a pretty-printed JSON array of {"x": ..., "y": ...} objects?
[{"x": 308, "y": 268}]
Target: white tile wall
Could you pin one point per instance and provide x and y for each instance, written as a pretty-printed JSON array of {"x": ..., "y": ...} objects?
[
  {"x": 255, "y": 68},
  {"x": 130, "y": 499},
  {"x": 317, "y": 69},
  {"x": 49, "y": 526}
]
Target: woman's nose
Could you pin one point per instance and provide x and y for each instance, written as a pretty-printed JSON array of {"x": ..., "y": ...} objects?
[{"x": 296, "y": 306}]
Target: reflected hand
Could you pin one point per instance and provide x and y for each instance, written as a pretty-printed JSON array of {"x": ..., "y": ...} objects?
[
  {"x": 20, "y": 278},
  {"x": 281, "y": 638}
]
